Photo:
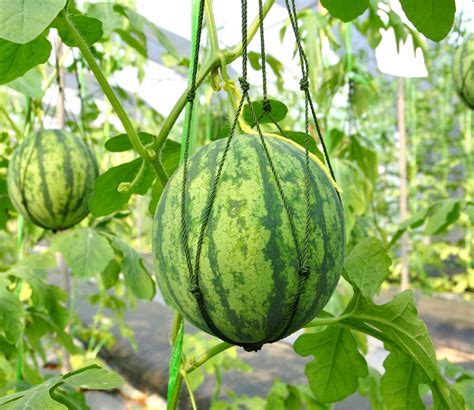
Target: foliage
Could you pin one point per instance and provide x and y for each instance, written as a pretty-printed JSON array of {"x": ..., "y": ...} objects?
[{"x": 357, "y": 119}]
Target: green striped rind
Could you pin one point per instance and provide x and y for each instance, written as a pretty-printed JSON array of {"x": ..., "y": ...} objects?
[
  {"x": 51, "y": 179},
  {"x": 249, "y": 262},
  {"x": 463, "y": 71}
]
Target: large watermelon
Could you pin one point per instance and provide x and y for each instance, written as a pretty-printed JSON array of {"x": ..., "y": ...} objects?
[
  {"x": 463, "y": 71},
  {"x": 249, "y": 265},
  {"x": 51, "y": 179}
]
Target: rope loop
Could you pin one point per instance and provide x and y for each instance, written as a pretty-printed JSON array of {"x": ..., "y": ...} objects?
[
  {"x": 304, "y": 84},
  {"x": 244, "y": 84},
  {"x": 196, "y": 291},
  {"x": 267, "y": 106},
  {"x": 191, "y": 95},
  {"x": 304, "y": 271}
]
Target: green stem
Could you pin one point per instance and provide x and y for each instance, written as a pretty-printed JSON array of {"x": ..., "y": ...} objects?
[
  {"x": 348, "y": 43},
  {"x": 19, "y": 244},
  {"x": 10, "y": 121},
  {"x": 113, "y": 99},
  {"x": 252, "y": 30},
  {"x": 211, "y": 27},
  {"x": 190, "y": 390},
  {"x": 195, "y": 363},
  {"x": 325, "y": 321},
  {"x": 192, "y": 132},
  {"x": 213, "y": 62},
  {"x": 177, "y": 320}
]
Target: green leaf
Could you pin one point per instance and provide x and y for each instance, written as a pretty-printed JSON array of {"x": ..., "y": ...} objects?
[
  {"x": 367, "y": 266},
  {"x": 399, "y": 384},
  {"x": 47, "y": 394},
  {"x": 397, "y": 323},
  {"x": 12, "y": 317},
  {"x": 156, "y": 191},
  {"x": 333, "y": 374},
  {"x": 278, "y": 112},
  {"x": 443, "y": 214},
  {"x": 300, "y": 138},
  {"x": 433, "y": 18},
  {"x": 170, "y": 156},
  {"x": 22, "y": 21},
  {"x": 17, "y": 59},
  {"x": 104, "y": 11},
  {"x": 90, "y": 29},
  {"x": 86, "y": 252},
  {"x": 111, "y": 273},
  {"x": 29, "y": 84},
  {"x": 413, "y": 222},
  {"x": 346, "y": 10},
  {"x": 107, "y": 198},
  {"x": 93, "y": 378},
  {"x": 137, "y": 278},
  {"x": 121, "y": 142}
]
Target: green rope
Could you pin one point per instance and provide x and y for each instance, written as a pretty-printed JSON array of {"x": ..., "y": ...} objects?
[{"x": 302, "y": 254}]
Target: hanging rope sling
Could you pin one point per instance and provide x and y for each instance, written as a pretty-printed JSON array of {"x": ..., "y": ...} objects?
[{"x": 301, "y": 251}]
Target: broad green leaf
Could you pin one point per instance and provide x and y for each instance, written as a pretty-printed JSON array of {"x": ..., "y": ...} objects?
[
  {"x": 333, "y": 374},
  {"x": 104, "y": 11},
  {"x": 29, "y": 84},
  {"x": 278, "y": 112},
  {"x": 86, "y": 252},
  {"x": 367, "y": 266},
  {"x": 46, "y": 395},
  {"x": 443, "y": 214},
  {"x": 121, "y": 142},
  {"x": 433, "y": 18},
  {"x": 399, "y": 384},
  {"x": 137, "y": 278},
  {"x": 17, "y": 59},
  {"x": 107, "y": 198},
  {"x": 90, "y": 29},
  {"x": 23, "y": 21},
  {"x": 400, "y": 326},
  {"x": 93, "y": 378},
  {"x": 12, "y": 317},
  {"x": 346, "y": 10}
]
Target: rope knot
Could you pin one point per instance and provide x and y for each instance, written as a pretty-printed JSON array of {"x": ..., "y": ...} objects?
[
  {"x": 304, "y": 84},
  {"x": 267, "y": 106},
  {"x": 191, "y": 95},
  {"x": 304, "y": 271},
  {"x": 196, "y": 291},
  {"x": 244, "y": 84}
]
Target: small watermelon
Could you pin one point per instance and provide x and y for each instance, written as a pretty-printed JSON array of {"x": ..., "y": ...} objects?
[
  {"x": 463, "y": 71},
  {"x": 249, "y": 265},
  {"x": 51, "y": 179}
]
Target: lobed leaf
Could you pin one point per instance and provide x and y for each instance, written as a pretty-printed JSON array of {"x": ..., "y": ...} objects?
[
  {"x": 367, "y": 266},
  {"x": 333, "y": 374}
]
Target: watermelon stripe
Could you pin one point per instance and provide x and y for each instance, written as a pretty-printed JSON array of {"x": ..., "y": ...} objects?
[
  {"x": 51, "y": 178},
  {"x": 249, "y": 264}
]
